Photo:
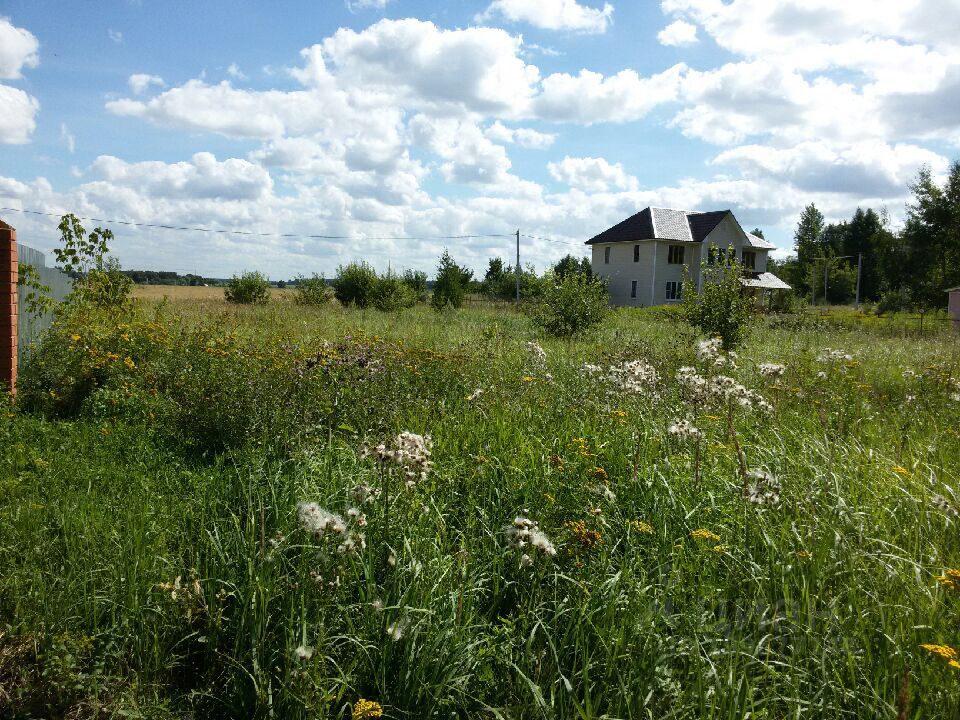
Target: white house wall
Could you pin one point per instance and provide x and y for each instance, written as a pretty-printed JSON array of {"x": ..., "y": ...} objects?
[
  {"x": 652, "y": 272},
  {"x": 727, "y": 233}
]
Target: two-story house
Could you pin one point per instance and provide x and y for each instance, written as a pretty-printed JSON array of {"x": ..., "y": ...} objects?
[{"x": 644, "y": 258}]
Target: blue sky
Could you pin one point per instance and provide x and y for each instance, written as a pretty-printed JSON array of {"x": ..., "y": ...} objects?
[{"x": 401, "y": 118}]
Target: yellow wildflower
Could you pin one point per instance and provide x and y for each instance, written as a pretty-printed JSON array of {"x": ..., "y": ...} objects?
[
  {"x": 599, "y": 473},
  {"x": 581, "y": 535},
  {"x": 803, "y": 553},
  {"x": 642, "y": 527},
  {"x": 363, "y": 709},
  {"x": 75, "y": 338},
  {"x": 619, "y": 413},
  {"x": 950, "y": 579},
  {"x": 899, "y": 470},
  {"x": 944, "y": 651},
  {"x": 720, "y": 549},
  {"x": 128, "y": 361},
  {"x": 527, "y": 379},
  {"x": 954, "y": 664},
  {"x": 704, "y": 534}
]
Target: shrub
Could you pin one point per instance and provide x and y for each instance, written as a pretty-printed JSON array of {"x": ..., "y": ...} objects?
[
  {"x": 355, "y": 284},
  {"x": 417, "y": 282},
  {"x": 898, "y": 300},
  {"x": 720, "y": 309},
  {"x": 391, "y": 293},
  {"x": 571, "y": 304},
  {"x": 451, "y": 285},
  {"x": 251, "y": 288},
  {"x": 311, "y": 290},
  {"x": 98, "y": 279}
]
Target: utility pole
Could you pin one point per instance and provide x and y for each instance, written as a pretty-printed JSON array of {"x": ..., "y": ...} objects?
[
  {"x": 518, "y": 269},
  {"x": 825, "y": 266}
]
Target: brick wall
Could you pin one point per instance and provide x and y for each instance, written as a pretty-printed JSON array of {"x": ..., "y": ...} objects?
[{"x": 8, "y": 307}]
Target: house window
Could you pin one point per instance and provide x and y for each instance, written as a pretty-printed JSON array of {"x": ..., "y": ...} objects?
[
  {"x": 636, "y": 253},
  {"x": 712, "y": 256},
  {"x": 606, "y": 255},
  {"x": 675, "y": 255},
  {"x": 674, "y": 290},
  {"x": 633, "y": 288},
  {"x": 749, "y": 259}
]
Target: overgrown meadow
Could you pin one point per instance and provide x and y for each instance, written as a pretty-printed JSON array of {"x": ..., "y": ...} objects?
[{"x": 294, "y": 512}]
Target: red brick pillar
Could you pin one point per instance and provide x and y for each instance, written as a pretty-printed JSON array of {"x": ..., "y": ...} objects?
[{"x": 8, "y": 307}]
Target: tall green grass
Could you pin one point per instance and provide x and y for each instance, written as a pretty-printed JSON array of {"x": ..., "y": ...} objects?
[{"x": 189, "y": 462}]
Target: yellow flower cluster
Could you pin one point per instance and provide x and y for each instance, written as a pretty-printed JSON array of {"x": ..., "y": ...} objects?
[
  {"x": 644, "y": 528},
  {"x": 583, "y": 536},
  {"x": 946, "y": 652},
  {"x": 363, "y": 709},
  {"x": 950, "y": 579},
  {"x": 704, "y": 534}
]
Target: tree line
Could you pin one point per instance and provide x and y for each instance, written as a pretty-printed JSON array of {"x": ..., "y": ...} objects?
[{"x": 910, "y": 268}]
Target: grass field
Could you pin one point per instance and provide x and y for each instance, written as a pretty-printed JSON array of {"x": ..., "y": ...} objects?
[{"x": 210, "y": 512}]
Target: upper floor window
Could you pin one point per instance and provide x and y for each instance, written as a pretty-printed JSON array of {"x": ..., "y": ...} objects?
[
  {"x": 675, "y": 255},
  {"x": 749, "y": 259},
  {"x": 606, "y": 255},
  {"x": 636, "y": 253}
]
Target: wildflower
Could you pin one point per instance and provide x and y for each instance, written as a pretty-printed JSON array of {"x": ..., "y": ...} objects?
[
  {"x": 317, "y": 521},
  {"x": 410, "y": 452},
  {"x": 590, "y": 370},
  {"x": 821, "y": 375},
  {"x": 396, "y": 630},
  {"x": 900, "y": 470},
  {"x": 704, "y": 534},
  {"x": 803, "y": 554},
  {"x": 363, "y": 494},
  {"x": 304, "y": 652},
  {"x": 536, "y": 352},
  {"x": 720, "y": 549},
  {"x": 527, "y": 379},
  {"x": 944, "y": 651},
  {"x": 829, "y": 355},
  {"x": 475, "y": 394},
  {"x": 363, "y": 709},
  {"x": 771, "y": 370},
  {"x": 943, "y": 505},
  {"x": 909, "y": 374},
  {"x": 599, "y": 473},
  {"x": 644, "y": 528},
  {"x": 950, "y": 579},
  {"x": 582, "y": 536},
  {"x": 684, "y": 430},
  {"x": 128, "y": 361},
  {"x": 377, "y": 605},
  {"x": 708, "y": 350},
  {"x": 636, "y": 376},
  {"x": 524, "y": 532},
  {"x": 763, "y": 488},
  {"x": 75, "y": 338}
]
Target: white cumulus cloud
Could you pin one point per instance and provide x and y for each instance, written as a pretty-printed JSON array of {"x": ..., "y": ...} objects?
[
  {"x": 141, "y": 82},
  {"x": 551, "y": 14},
  {"x": 18, "y": 49},
  {"x": 678, "y": 33},
  {"x": 18, "y": 118},
  {"x": 592, "y": 174}
]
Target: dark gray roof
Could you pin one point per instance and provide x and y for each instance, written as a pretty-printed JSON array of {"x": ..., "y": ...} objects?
[
  {"x": 662, "y": 224},
  {"x": 703, "y": 223},
  {"x": 635, "y": 227}
]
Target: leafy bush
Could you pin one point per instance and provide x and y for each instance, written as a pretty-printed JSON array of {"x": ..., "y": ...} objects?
[
  {"x": 721, "y": 309},
  {"x": 451, "y": 285},
  {"x": 417, "y": 282},
  {"x": 571, "y": 304},
  {"x": 311, "y": 290},
  {"x": 391, "y": 293},
  {"x": 355, "y": 284},
  {"x": 98, "y": 279},
  {"x": 898, "y": 300},
  {"x": 250, "y": 288}
]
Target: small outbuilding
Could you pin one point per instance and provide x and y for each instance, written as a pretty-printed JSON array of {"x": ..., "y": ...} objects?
[{"x": 953, "y": 307}]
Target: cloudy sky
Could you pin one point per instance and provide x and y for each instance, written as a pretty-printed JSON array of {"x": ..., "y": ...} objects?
[{"x": 379, "y": 119}]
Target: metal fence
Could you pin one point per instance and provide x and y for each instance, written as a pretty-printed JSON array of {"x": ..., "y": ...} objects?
[{"x": 31, "y": 325}]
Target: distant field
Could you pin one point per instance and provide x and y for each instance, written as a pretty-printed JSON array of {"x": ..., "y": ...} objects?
[
  {"x": 195, "y": 521},
  {"x": 187, "y": 292}
]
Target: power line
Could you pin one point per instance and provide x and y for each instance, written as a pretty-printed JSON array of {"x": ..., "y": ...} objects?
[
  {"x": 549, "y": 240},
  {"x": 262, "y": 234}
]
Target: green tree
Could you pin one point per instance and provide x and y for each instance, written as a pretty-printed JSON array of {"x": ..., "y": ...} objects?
[
  {"x": 416, "y": 280},
  {"x": 451, "y": 284},
  {"x": 721, "y": 308},
  {"x": 250, "y": 288},
  {"x": 571, "y": 304},
  {"x": 355, "y": 284},
  {"x": 758, "y": 232},
  {"x": 310, "y": 290},
  {"x": 806, "y": 243},
  {"x": 97, "y": 278},
  {"x": 573, "y": 265}
]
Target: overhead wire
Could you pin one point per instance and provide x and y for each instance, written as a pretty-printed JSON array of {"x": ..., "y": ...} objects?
[{"x": 251, "y": 233}]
